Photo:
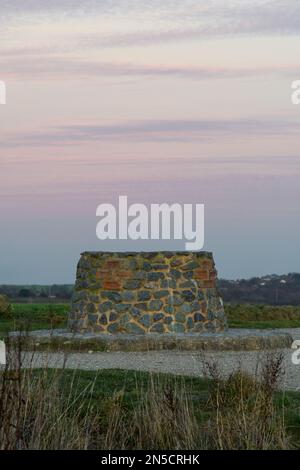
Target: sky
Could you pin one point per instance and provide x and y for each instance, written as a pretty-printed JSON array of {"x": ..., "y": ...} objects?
[{"x": 177, "y": 101}]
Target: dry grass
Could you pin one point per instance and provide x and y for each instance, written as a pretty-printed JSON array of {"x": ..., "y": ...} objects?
[
  {"x": 242, "y": 411},
  {"x": 164, "y": 419},
  {"x": 246, "y": 416},
  {"x": 36, "y": 412},
  {"x": 35, "y": 415}
]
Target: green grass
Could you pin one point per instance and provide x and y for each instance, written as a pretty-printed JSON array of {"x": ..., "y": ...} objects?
[
  {"x": 262, "y": 316},
  {"x": 48, "y": 316},
  {"x": 98, "y": 388},
  {"x": 264, "y": 325},
  {"x": 35, "y": 317},
  {"x": 131, "y": 383},
  {"x": 106, "y": 382}
]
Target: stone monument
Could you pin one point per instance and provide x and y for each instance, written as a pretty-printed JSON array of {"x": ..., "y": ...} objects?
[{"x": 146, "y": 292}]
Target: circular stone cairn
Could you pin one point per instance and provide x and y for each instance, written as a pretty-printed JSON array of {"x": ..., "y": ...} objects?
[{"x": 148, "y": 292}]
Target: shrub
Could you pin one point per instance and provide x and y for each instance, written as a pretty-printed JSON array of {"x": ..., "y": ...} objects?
[
  {"x": 5, "y": 306},
  {"x": 246, "y": 416},
  {"x": 33, "y": 412}
]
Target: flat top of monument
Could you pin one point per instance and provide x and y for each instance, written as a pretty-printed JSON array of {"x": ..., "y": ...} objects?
[{"x": 163, "y": 252}]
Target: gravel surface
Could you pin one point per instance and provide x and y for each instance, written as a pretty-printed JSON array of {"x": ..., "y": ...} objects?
[{"x": 176, "y": 362}]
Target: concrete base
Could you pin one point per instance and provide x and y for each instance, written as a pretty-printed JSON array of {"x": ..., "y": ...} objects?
[{"x": 230, "y": 340}]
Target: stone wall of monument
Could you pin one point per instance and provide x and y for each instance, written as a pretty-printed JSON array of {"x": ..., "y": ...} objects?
[{"x": 137, "y": 293}]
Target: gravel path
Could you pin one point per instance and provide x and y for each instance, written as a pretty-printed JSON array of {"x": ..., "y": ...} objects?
[{"x": 175, "y": 362}]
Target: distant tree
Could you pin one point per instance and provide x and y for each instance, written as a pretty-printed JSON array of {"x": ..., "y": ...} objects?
[
  {"x": 43, "y": 294},
  {"x": 26, "y": 293}
]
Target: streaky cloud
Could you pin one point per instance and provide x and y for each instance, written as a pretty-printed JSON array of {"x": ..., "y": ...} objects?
[
  {"x": 154, "y": 131},
  {"x": 50, "y": 67}
]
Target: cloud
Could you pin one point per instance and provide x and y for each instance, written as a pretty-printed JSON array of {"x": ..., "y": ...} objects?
[
  {"x": 145, "y": 22},
  {"x": 35, "y": 68},
  {"x": 154, "y": 131},
  {"x": 153, "y": 21},
  {"x": 52, "y": 42},
  {"x": 273, "y": 18}
]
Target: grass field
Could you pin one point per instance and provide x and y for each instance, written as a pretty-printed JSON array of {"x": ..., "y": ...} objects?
[
  {"x": 35, "y": 317},
  {"x": 132, "y": 385},
  {"x": 124, "y": 409},
  {"x": 262, "y": 316},
  {"x": 48, "y": 316},
  {"x": 127, "y": 409}
]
